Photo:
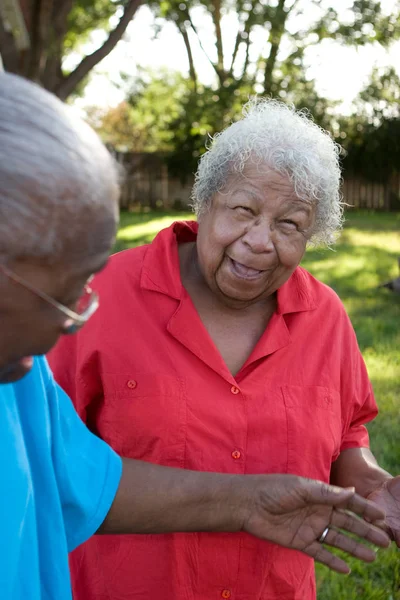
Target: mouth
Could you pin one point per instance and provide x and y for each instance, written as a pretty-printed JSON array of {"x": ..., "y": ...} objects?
[{"x": 243, "y": 271}]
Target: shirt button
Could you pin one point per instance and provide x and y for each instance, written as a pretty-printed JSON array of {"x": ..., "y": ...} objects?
[
  {"x": 131, "y": 384},
  {"x": 234, "y": 390},
  {"x": 236, "y": 454},
  {"x": 226, "y": 593}
]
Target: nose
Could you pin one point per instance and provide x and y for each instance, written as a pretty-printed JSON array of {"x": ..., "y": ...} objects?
[{"x": 258, "y": 238}]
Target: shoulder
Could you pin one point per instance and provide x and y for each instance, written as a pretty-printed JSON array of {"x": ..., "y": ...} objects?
[
  {"x": 122, "y": 270},
  {"x": 127, "y": 261},
  {"x": 322, "y": 294}
]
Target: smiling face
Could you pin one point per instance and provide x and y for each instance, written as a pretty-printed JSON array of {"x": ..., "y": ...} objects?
[{"x": 253, "y": 236}]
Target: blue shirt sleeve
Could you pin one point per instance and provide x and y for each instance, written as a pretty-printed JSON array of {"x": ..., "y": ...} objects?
[{"x": 87, "y": 470}]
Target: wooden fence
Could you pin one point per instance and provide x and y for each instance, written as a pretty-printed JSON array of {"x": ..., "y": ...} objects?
[
  {"x": 383, "y": 195},
  {"x": 147, "y": 183}
]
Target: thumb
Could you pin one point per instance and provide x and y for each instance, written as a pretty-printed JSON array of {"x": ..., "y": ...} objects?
[{"x": 318, "y": 492}]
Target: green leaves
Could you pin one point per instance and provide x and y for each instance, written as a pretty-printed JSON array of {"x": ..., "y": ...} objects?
[{"x": 87, "y": 16}]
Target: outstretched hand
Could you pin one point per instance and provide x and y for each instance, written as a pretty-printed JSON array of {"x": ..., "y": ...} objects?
[
  {"x": 387, "y": 497},
  {"x": 294, "y": 512}
]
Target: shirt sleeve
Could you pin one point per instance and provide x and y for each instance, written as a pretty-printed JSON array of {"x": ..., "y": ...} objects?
[
  {"x": 356, "y": 435},
  {"x": 358, "y": 402},
  {"x": 87, "y": 470}
]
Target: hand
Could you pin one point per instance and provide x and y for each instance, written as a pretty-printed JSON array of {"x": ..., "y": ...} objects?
[
  {"x": 293, "y": 512},
  {"x": 387, "y": 497}
]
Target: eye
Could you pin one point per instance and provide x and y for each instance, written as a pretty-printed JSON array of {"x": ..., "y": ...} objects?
[
  {"x": 290, "y": 223},
  {"x": 246, "y": 209}
]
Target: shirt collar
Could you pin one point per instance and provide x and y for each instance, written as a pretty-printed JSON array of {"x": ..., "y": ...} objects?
[
  {"x": 296, "y": 294},
  {"x": 161, "y": 271}
]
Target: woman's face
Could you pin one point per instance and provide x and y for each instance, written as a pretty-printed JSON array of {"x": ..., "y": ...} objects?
[{"x": 253, "y": 236}]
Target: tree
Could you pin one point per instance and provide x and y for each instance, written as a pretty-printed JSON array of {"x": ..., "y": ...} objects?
[
  {"x": 289, "y": 28},
  {"x": 372, "y": 132},
  {"x": 55, "y": 28},
  {"x": 278, "y": 69},
  {"x": 143, "y": 121}
]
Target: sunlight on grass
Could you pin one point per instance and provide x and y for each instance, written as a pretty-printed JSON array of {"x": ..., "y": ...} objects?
[
  {"x": 133, "y": 232},
  {"x": 140, "y": 228},
  {"x": 364, "y": 257}
]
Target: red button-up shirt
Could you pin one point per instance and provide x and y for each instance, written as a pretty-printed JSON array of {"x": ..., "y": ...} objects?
[{"x": 145, "y": 376}]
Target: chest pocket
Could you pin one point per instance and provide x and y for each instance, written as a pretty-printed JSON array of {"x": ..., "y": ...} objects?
[
  {"x": 314, "y": 429},
  {"x": 144, "y": 417}
]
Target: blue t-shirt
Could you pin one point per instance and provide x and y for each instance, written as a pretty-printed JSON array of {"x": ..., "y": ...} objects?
[{"x": 58, "y": 482}]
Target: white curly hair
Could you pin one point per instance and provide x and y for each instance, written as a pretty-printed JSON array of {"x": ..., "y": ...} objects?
[{"x": 276, "y": 136}]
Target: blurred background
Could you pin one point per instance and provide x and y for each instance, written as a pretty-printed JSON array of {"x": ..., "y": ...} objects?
[{"x": 156, "y": 79}]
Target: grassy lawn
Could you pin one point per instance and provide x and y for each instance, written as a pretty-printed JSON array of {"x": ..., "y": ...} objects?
[{"x": 365, "y": 256}]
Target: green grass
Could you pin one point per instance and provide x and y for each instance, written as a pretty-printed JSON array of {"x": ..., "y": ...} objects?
[{"x": 365, "y": 256}]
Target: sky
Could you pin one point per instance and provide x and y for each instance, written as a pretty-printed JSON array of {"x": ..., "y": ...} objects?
[{"x": 340, "y": 72}]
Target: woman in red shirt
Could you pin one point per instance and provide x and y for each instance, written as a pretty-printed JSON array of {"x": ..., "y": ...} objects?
[{"x": 214, "y": 351}]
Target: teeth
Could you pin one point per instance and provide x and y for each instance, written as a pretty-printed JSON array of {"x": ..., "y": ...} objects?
[{"x": 243, "y": 270}]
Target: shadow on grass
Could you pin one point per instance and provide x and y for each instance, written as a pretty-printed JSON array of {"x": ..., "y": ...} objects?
[{"x": 372, "y": 221}]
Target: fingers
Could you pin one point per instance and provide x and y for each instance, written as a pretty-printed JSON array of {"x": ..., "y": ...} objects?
[
  {"x": 365, "y": 508},
  {"x": 317, "y": 492},
  {"x": 349, "y": 545},
  {"x": 348, "y": 522},
  {"x": 323, "y": 556},
  {"x": 343, "y": 542}
]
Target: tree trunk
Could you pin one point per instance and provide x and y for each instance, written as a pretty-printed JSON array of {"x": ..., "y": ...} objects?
[{"x": 216, "y": 16}]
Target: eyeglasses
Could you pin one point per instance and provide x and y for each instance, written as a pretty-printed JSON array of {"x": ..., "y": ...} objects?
[{"x": 87, "y": 304}]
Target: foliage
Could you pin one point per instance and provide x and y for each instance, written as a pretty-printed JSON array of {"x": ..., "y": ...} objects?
[
  {"x": 85, "y": 17},
  {"x": 365, "y": 256},
  {"x": 373, "y": 132},
  {"x": 181, "y": 119},
  {"x": 278, "y": 71},
  {"x": 143, "y": 122},
  {"x": 55, "y": 28}
]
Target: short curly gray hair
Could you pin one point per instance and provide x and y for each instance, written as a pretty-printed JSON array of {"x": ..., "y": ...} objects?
[{"x": 287, "y": 141}]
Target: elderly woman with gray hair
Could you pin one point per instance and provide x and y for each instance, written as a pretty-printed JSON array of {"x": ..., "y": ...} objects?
[{"x": 214, "y": 350}]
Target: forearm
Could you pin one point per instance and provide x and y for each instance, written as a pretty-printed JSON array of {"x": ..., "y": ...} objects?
[
  {"x": 154, "y": 499},
  {"x": 357, "y": 467}
]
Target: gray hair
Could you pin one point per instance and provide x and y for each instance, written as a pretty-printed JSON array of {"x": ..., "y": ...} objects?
[
  {"x": 53, "y": 168},
  {"x": 277, "y": 136}
]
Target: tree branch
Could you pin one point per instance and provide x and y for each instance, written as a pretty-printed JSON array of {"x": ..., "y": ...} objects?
[
  {"x": 69, "y": 83},
  {"x": 239, "y": 38},
  {"x": 8, "y": 50},
  {"x": 216, "y": 17},
  {"x": 192, "y": 71},
  {"x": 214, "y": 66},
  {"x": 247, "y": 57},
  {"x": 277, "y": 29}
]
